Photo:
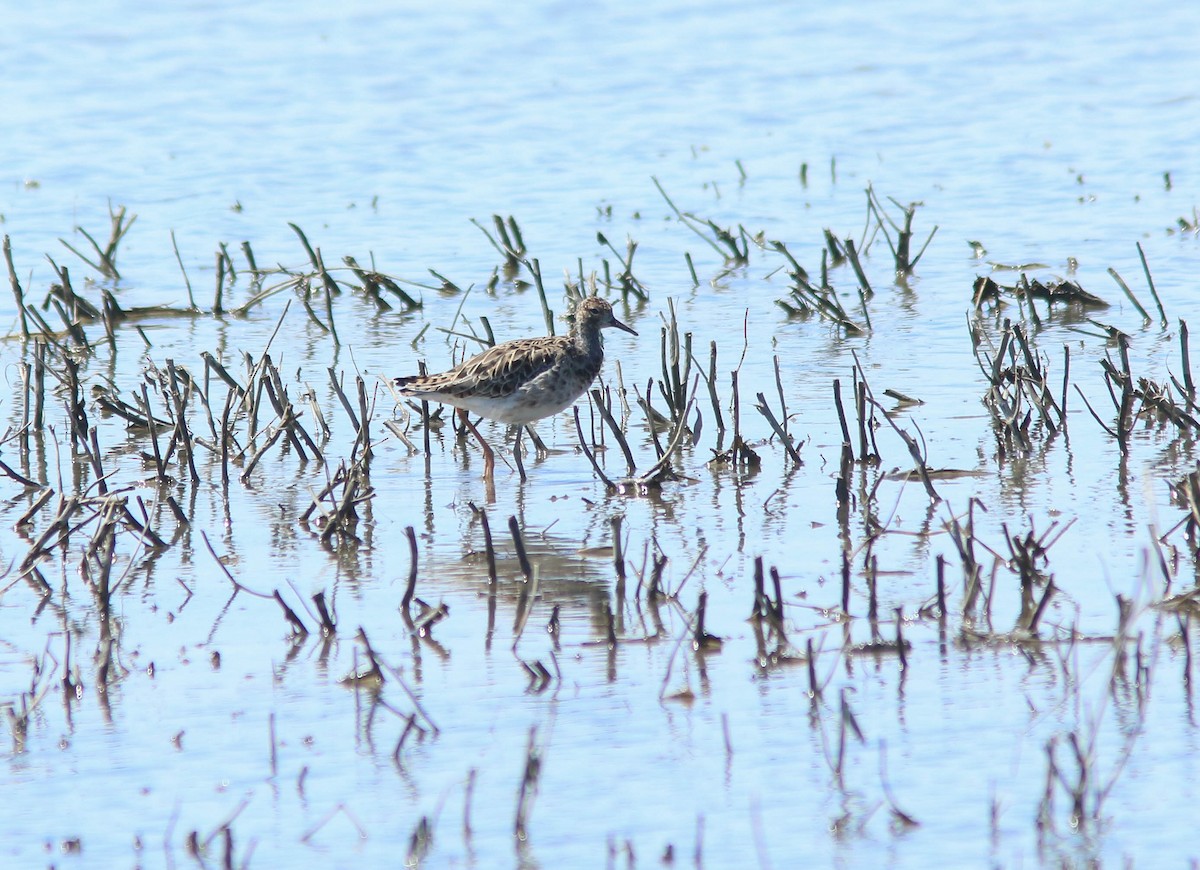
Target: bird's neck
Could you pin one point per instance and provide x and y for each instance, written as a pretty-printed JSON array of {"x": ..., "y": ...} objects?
[{"x": 588, "y": 341}]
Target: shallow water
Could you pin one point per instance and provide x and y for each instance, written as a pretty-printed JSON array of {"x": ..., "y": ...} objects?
[{"x": 1042, "y": 134}]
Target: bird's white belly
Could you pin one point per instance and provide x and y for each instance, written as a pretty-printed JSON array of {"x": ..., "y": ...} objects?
[{"x": 522, "y": 407}]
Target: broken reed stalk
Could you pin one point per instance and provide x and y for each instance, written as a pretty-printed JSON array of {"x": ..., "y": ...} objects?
[
  {"x": 35, "y": 383},
  {"x": 1162, "y": 314},
  {"x": 653, "y": 418},
  {"x": 674, "y": 385},
  {"x": 847, "y": 723},
  {"x": 712, "y": 393},
  {"x": 736, "y": 407},
  {"x": 872, "y": 596},
  {"x": 362, "y": 443},
  {"x": 1124, "y": 378},
  {"x": 618, "y": 555},
  {"x": 845, "y": 582},
  {"x": 328, "y": 625},
  {"x": 227, "y": 436},
  {"x": 38, "y": 503},
  {"x": 510, "y": 245},
  {"x": 359, "y": 427},
  {"x": 655, "y": 589},
  {"x": 610, "y": 628},
  {"x": 810, "y": 658},
  {"x": 1012, "y": 383},
  {"x": 782, "y": 398},
  {"x": 661, "y": 469},
  {"x": 915, "y": 450},
  {"x": 863, "y": 283},
  {"x": 1062, "y": 408},
  {"x": 1129, "y": 294},
  {"x": 77, "y": 309},
  {"x": 842, "y": 488},
  {"x": 841, "y": 412},
  {"x": 603, "y": 402},
  {"x": 683, "y": 219},
  {"x": 186, "y": 281},
  {"x": 274, "y": 433},
  {"x": 289, "y": 418},
  {"x": 331, "y": 289},
  {"x": 822, "y": 301},
  {"x": 510, "y": 234},
  {"x": 1189, "y": 385},
  {"x": 489, "y": 549},
  {"x": 410, "y": 589},
  {"x": 1185, "y": 621},
  {"x": 1041, "y": 607},
  {"x": 702, "y": 641},
  {"x": 780, "y": 429},
  {"x": 536, "y": 271},
  {"x": 1097, "y": 418},
  {"x": 527, "y": 791},
  {"x": 373, "y": 282},
  {"x": 761, "y": 605},
  {"x": 75, "y": 406},
  {"x": 905, "y": 263},
  {"x": 775, "y": 609},
  {"x": 218, "y": 307},
  {"x": 734, "y": 254},
  {"x": 18, "y": 293},
  {"x": 963, "y": 537},
  {"x": 608, "y": 484},
  {"x": 629, "y": 284},
  {"x": 181, "y": 437},
  {"x": 298, "y": 627},
  {"x": 107, "y": 255},
  {"x": 94, "y": 456},
  {"x": 901, "y": 643},
  {"x": 472, "y": 774},
  {"x": 328, "y": 284},
  {"x": 941, "y": 587},
  {"x": 47, "y": 332},
  {"x": 1039, "y": 377},
  {"x": 860, "y": 407},
  {"x": 343, "y": 518},
  {"x": 514, "y": 529}
]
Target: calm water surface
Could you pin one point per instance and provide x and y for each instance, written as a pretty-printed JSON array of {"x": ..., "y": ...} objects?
[{"x": 1044, "y": 135}]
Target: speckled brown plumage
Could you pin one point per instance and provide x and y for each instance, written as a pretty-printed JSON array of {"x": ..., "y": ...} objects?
[{"x": 520, "y": 381}]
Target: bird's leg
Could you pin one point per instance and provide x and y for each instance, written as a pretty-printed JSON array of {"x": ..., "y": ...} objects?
[
  {"x": 538, "y": 445},
  {"x": 517, "y": 454},
  {"x": 489, "y": 457}
]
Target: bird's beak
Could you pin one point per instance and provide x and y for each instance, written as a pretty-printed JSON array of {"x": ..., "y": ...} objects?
[{"x": 624, "y": 326}]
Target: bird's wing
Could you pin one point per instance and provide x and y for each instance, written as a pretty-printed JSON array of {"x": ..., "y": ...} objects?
[
  {"x": 500, "y": 371},
  {"x": 496, "y": 373}
]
